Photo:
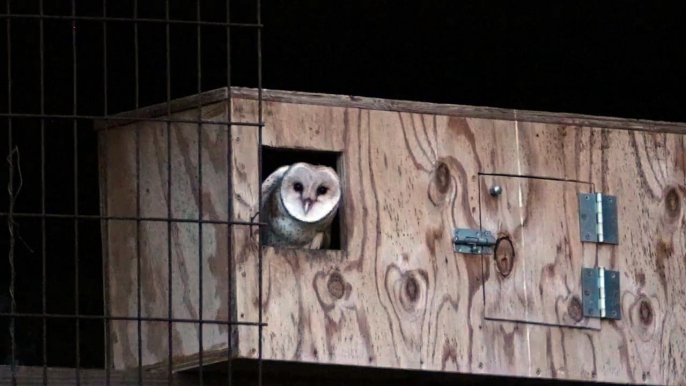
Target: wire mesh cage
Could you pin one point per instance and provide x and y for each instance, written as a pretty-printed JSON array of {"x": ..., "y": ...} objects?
[{"x": 72, "y": 65}]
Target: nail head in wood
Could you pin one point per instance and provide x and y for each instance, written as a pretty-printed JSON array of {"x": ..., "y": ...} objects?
[{"x": 496, "y": 190}]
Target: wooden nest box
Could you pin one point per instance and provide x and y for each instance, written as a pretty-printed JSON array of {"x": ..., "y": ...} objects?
[{"x": 414, "y": 282}]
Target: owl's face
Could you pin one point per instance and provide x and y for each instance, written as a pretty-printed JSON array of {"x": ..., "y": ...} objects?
[{"x": 310, "y": 193}]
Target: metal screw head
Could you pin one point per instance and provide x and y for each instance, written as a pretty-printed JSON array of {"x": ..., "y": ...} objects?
[{"x": 495, "y": 190}]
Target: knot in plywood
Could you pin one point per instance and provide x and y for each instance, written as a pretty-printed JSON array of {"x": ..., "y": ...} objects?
[
  {"x": 644, "y": 317},
  {"x": 672, "y": 204},
  {"x": 330, "y": 288},
  {"x": 646, "y": 312},
  {"x": 408, "y": 293},
  {"x": 411, "y": 291},
  {"x": 336, "y": 285},
  {"x": 407, "y": 290},
  {"x": 439, "y": 185},
  {"x": 574, "y": 309},
  {"x": 504, "y": 256}
]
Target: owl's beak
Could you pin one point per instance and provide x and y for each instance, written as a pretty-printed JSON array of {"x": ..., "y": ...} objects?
[{"x": 307, "y": 204}]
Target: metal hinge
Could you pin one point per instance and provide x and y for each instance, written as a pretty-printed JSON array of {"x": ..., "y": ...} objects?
[
  {"x": 473, "y": 241},
  {"x": 598, "y": 218},
  {"x": 601, "y": 293}
]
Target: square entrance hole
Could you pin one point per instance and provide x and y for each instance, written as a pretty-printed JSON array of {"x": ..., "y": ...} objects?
[{"x": 274, "y": 158}]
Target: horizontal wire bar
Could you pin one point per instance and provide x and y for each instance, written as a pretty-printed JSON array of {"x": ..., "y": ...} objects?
[
  {"x": 127, "y": 318},
  {"x": 127, "y": 119},
  {"x": 131, "y": 218},
  {"x": 129, "y": 19}
]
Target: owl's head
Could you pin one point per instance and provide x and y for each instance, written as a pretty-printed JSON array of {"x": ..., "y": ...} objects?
[{"x": 310, "y": 193}]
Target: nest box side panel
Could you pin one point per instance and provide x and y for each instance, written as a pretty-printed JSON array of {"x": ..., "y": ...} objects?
[{"x": 119, "y": 160}]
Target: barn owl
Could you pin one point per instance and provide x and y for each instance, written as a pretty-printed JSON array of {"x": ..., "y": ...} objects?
[{"x": 299, "y": 203}]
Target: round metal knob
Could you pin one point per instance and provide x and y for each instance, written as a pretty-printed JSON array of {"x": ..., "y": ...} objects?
[{"x": 496, "y": 190}]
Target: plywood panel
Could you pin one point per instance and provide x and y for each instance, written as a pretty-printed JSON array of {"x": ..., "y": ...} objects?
[
  {"x": 403, "y": 195},
  {"x": 534, "y": 274},
  {"x": 121, "y": 247},
  {"x": 411, "y": 179},
  {"x": 645, "y": 170}
]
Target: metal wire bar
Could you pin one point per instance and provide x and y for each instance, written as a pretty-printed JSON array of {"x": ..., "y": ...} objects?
[
  {"x": 124, "y": 19},
  {"x": 229, "y": 188},
  {"x": 10, "y": 188},
  {"x": 130, "y": 218},
  {"x": 127, "y": 119},
  {"x": 138, "y": 197},
  {"x": 106, "y": 251},
  {"x": 126, "y": 318},
  {"x": 76, "y": 197},
  {"x": 170, "y": 342},
  {"x": 43, "y": 188},
  {"x": 200, "y": 214},
  {"x": 259, "y": 173}
]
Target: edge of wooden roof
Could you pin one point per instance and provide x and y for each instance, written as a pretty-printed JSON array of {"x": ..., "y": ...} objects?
[{"x": 158, "y": 111}]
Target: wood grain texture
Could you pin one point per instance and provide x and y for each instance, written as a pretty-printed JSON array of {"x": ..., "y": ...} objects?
[
  {"x": 396, "y": 295},
  {"x": 410, "y": 302},
  {"x": 534, "y": 274},
  {"x": 118, "y": 161}
]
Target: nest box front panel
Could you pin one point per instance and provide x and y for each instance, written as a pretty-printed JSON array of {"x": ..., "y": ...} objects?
[{"x": 395, "y": 294}]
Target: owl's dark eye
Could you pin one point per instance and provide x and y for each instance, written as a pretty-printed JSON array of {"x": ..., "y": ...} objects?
[
  {"x": 322, "y": 190},
  {"x": 298, "y": 187}
]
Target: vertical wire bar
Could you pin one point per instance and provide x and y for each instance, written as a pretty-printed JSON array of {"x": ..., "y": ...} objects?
[
  {"x": 169, "y": 197},
  {"x": 230, "y": 188},
  {"x": 259, "y": 173},
  {"x": 76, "y": 196},
  {"x": 200, "y": 214},
  {"x": 107, "y": 249},
  {"x": 43, "y": 233},
  {"x": 138, "y": 198},
  {"x": 10, "y": 188}
]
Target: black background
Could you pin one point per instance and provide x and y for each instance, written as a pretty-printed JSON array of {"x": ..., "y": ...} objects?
[{"x": 623, "y": 60}]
